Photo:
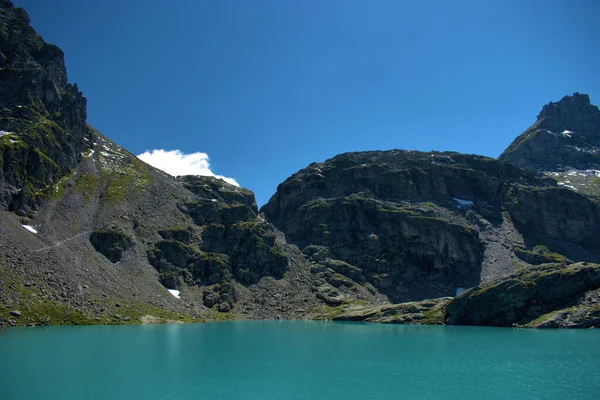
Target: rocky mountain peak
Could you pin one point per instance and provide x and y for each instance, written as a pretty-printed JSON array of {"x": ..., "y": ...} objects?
[
  {"x": 43, "y": 129},
  {"x": 565, "y": 136},
  {"x": 574, "y": 113}
]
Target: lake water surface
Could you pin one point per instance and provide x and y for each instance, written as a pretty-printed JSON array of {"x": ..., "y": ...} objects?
[{"x": 297, "y": 360}]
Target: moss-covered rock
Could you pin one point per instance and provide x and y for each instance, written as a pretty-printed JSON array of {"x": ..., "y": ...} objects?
[
  {"x": 408, "y": 252},
  {"x": 426, "y": 312},
  {"x": 181, "y": 233},
  {"x": 212, "y": 188},
  {"x": 525, "y": 297},
  {"x": 111, "y": 242},
  {"x": 560, "y": 219},
  {"x": 205, "y": 211},
  {"x": 221, "y": 296},
  {"x": 540, "y": 255}
]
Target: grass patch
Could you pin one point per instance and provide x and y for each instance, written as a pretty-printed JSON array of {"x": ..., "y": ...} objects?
[{"x": 86, "y": 185}]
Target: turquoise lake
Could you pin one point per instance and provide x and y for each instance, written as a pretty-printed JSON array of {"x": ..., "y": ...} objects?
[{"x": 298, "y": 360}]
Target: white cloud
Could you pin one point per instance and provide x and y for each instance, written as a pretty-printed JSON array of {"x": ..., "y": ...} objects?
[{"x": 176, "y": 163}]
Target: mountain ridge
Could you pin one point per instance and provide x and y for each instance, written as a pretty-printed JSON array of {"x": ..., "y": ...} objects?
[{"x": 89, "y": 234}]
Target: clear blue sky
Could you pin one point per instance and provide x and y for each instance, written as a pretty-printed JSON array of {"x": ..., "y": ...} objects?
[{"x": 267, "y": 87}]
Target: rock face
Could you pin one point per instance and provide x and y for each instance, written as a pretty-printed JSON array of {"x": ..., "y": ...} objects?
[
  {"x": 42, "y": 117},
  {"x": 566, "y": 134},
  {"x": 418, "y": 225},
  {"x": 551, "y": 295},
  {"x": 111, "y": 243},
  {"x": 226, "y": 241},
  {"x": 563, "y": 220}
]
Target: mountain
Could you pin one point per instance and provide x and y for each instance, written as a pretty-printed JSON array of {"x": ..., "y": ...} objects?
[
  {"x": 566, "y": 134},
  {"x": 416, "y": 226},
  {"x": 89, "y": 234},
  {"x": 564, "y": 143}
]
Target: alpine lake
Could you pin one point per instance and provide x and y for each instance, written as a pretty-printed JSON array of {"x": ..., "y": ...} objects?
[{"x": 297, "y": 360}]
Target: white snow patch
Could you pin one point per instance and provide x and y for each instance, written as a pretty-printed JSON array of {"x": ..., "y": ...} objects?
[
  {"x": 567, "y": 133},
  {"x": 215, "y": 200},
  {"x": 174, "y": 292},
  {"x": 464, "y": 203},
  {"x": 29, "y": 228},
  {"x": 177, "y": 163},
  {"x": 2, "y": 133},
  {"x": 571, "y": 187},
  {"x": 561, "y": 183},
  {"x": 88, "y": 153}
]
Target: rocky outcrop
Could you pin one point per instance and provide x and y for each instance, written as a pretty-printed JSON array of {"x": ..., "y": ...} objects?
[
  {"x": 399, "y": 175},
  {"x": 566, "y": 134},
  {"x": 112, "y": 243},
  {"x": 218, "y": 190},
  {"x": 551, "y": 295},
  {"x": 227, "y": 242},
  {"x": 392, "y": 245},
  {"x": 429, "y": 312},
  {"x": 232, "y": 226},
  {"x": 42, "y": 117},
  {"x": 565, "y": 221},
  {"x": 413, "y": 225},
  {"x": 548, "y": 296}
]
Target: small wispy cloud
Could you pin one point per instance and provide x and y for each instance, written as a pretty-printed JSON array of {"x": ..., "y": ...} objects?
[{"x": 176, "y": 163}]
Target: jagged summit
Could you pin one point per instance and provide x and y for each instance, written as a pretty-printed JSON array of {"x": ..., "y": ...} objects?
[
  {"x": 43, "y": 129},
  {"x": 565, "y": 136},
  {"x": 574, "y": 113}
]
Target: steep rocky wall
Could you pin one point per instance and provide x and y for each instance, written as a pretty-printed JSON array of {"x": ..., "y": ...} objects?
[
  {"x": 551, "y": 295},
  {"x": 405, "y": 251},
  {"x": 414, "y": 225},
  {"x": 560, "y": 218},
  {"x": 42, "y": 117}
]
